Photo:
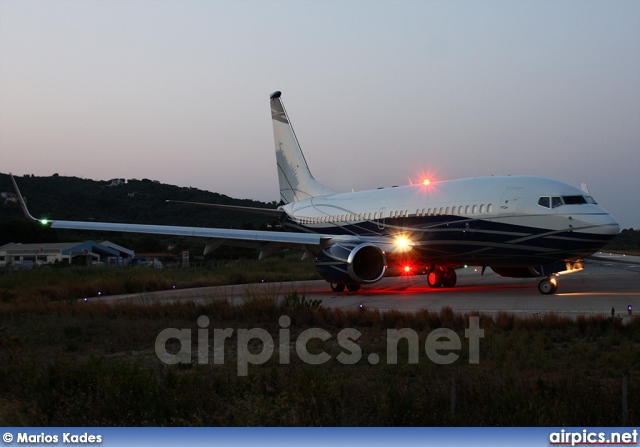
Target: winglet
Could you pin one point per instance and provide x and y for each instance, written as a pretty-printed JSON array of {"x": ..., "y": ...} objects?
[{"x": 23, "y": 204}]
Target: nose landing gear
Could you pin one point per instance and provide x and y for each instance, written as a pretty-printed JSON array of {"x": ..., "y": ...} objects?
[{"x": 548, "y": 285}]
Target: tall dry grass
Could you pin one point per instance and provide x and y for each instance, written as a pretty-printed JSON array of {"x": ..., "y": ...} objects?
[{"x": 71, "y": 363}]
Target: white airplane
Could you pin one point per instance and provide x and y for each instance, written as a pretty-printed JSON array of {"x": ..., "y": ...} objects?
[{"x": 520, "y": 226}]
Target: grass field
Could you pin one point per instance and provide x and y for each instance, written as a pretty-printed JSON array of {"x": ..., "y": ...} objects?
[{"x": 69, "y": 363}]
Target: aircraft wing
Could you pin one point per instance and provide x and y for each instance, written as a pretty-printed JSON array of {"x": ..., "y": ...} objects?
[
  {"x": 265, "y": 240},
  {"x": 239, "y": 238}
]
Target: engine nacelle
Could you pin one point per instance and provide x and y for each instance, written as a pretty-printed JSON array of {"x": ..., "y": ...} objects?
[{"x": 352, "y": 262}]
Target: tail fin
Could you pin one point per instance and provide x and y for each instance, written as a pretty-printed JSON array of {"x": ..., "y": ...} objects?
[{"x": 296, "y": 181}]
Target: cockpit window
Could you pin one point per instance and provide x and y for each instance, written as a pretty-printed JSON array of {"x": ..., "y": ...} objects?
[
  {"x": 545, "y": 202},
  {"x": 555, "y": 202},
  {"x": 574, "y": 200}
]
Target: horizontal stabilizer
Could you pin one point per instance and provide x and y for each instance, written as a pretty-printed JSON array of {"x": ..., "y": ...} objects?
[{"x": 244, "y": 209}]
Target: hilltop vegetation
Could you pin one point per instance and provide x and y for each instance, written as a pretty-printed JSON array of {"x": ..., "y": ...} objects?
[
  {"x": 136, "y": 201},
  {"x": 628, "y": 241}
]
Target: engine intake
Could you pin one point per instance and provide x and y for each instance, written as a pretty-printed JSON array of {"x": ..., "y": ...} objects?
[{"x": 351, "y": 262}]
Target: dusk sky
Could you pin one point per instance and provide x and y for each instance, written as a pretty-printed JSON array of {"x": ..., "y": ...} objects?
[{"x": 378, "y": 92}]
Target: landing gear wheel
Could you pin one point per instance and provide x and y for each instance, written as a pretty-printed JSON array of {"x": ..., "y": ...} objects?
[
  {"x": 353, "y": 287},
  {"x": 434, "y": 278},
  {"x": 449, "y": 278},
  {"x": 548, "y": 286},
  {"x": 337, "y": 287}
]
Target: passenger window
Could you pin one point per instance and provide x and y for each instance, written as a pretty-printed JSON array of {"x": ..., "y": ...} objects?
[
  {"x": 489, "y": 208},
  {"x": 474, "y": 209},
  {"x": 481, "y": 209},
  {"x": 466, "y": 209},
  {"x": 545, "y": 202}
]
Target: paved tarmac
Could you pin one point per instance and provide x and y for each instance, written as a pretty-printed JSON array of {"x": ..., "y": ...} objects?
[{"x": 608, "y": 281}]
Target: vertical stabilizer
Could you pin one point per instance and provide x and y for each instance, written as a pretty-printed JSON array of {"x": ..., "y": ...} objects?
[{"x": 296, "y": 181}]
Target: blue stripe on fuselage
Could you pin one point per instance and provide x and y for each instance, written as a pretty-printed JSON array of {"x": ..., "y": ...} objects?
[{"x": 457, "y": 240}]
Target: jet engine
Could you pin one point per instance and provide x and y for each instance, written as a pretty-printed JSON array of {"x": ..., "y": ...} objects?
[{"x": 352, "y": 262}]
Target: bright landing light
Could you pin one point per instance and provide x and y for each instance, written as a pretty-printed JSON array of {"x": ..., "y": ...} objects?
[
  {"x": 426, "y": 182},
  {"x": 403, "y": 244}
]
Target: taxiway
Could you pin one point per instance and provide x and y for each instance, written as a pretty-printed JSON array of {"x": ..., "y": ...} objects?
[{"x": 608, "y": 283}]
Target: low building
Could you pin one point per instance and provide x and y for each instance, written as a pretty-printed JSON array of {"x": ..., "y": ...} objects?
[
  {"x": 25, "y": 256},
  {"x": 125, "y": 253}
]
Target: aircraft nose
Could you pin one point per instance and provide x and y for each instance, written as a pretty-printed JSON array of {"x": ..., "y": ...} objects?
[
  {"x": 614, "y": 227},
  {"x": 604, "y": 224}
]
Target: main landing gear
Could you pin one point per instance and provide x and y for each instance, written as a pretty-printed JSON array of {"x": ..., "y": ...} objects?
[
  {"x": 548, "y": 285},
  {"x": 340, "y": 287},
  {"x": 442, "y": 277}
]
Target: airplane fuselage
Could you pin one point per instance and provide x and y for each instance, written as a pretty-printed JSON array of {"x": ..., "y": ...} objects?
[{"x": 495, "y": 221}]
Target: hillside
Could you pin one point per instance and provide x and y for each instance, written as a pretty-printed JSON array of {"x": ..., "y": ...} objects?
[{"x": 136, "y": 201}]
